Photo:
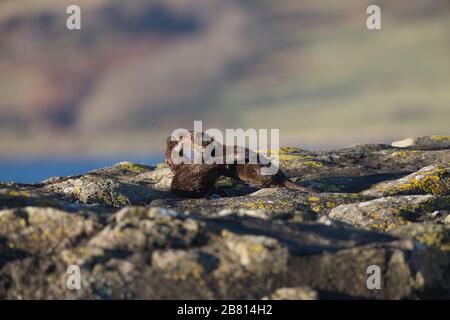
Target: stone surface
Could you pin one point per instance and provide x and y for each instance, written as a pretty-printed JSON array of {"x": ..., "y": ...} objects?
[
  {"x": 298, "y": 293},
  {"x": 424, "y": 143},
  {"x": 389, "y": 213},
  {"x": 372, "y": 204},
  {"x": 434, "y": 179}
]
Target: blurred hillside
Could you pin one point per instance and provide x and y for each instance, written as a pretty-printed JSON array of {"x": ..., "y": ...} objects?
[{"x": 138, "y": 69}]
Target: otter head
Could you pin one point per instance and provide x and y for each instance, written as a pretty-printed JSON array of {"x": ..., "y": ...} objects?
[{"x": 186, "y": 146}]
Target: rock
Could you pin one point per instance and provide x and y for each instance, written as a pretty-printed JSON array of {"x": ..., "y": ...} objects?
[
  {"x": 434, "y": 179},
  {"x": 43, "y": 230},
  {"x": 373, "y": 204},
  {"x": 424, "y": 143},
  {"x": 430, "y": 234},
  {"x": 297, "y": 293},
  {"x": 140, "y": 228},
  {"x": 269, "y": 202},
  {"x": 160, "y": 178},
  {"x": 447, "y": 219},
  {"x": 389, "y": 213},
  {"x": 94, "y": 190},
  {"x": 13, "y": 196},
  {"x": 106, "y": 189},
  {"x": 243, "y": 213},
  {"x": 249, "y": 254},
  {"x": 179, "y": 264},
  {"x": 173, "y": 255}
]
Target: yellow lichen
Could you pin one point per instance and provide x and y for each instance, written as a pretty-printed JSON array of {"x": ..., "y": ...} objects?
[
  {"x": 331, "y": 205},
  {"x": 268, "y": 206},
  {"x": 316, "y": 164},
  {"x": 133, "y": 167},
  {"x": 437, "y": 239},
  {"x": 17, "y": 193},
  {"x": 404, "y": 153},
  {"x": 440, "y": 138},
  {"x": 289, "y": 157},
  {"x": 290, "y": 150},
  {"x": 388, "y": 225},
  {"x": 434, "y": 182},
  {"x": 77, "y": 190}
]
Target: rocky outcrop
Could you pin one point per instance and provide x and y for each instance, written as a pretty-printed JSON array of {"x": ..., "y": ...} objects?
[
  {"x": 373, "y": 205},
  {"x": 434, "y": 179},
  {"x": 391, "y": 212},
  {"x": 424, "y": 143}
]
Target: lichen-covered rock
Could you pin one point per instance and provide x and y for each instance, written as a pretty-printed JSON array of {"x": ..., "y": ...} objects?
[
  {"x": 430, "y": 234},
  {"x": 296, "y": 293},
  {"x": 249, "y": 254},
  {"x": 373, "y": 204},
  {"x": 160, "y": 178},
  {"x": 270, "y": 202},
  {"x": 174, "y": 255},
  {"x": 43, "y": 230},
  {"x": 424, "y": 143},
  {"x": 181, "y": 265},
  {"x": 15, "y": 196},
  {"x": 389, "y": 213},
  {"x": 434, "y": 179},
  {"x": 139, "y": 229},
  {"x": 104, "y": 189}
]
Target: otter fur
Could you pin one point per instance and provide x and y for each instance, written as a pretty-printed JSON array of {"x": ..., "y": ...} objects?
[{"x": 198, "y": 180}]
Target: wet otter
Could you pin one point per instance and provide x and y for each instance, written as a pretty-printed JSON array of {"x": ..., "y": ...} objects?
[{"x": 197, "y": 180}]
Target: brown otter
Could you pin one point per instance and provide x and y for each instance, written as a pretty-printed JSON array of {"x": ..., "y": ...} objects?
[{"x": 197, "y": 180}]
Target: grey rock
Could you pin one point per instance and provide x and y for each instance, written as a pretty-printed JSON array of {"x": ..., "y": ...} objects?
[
  {"x": 424, "y": 143},
  {"x": 434, "y": 179},
  {"x": 372, "y": 204},
  {"x": 389, "y": 213}
]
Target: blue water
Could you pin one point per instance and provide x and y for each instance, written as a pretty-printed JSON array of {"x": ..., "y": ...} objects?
[{"x": 38, "y": 169}]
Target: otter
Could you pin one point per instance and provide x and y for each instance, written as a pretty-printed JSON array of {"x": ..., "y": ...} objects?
[{"x": 197, "y": 180}]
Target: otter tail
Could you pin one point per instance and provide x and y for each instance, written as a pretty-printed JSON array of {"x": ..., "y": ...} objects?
[{"x": 287, "y": 183}]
